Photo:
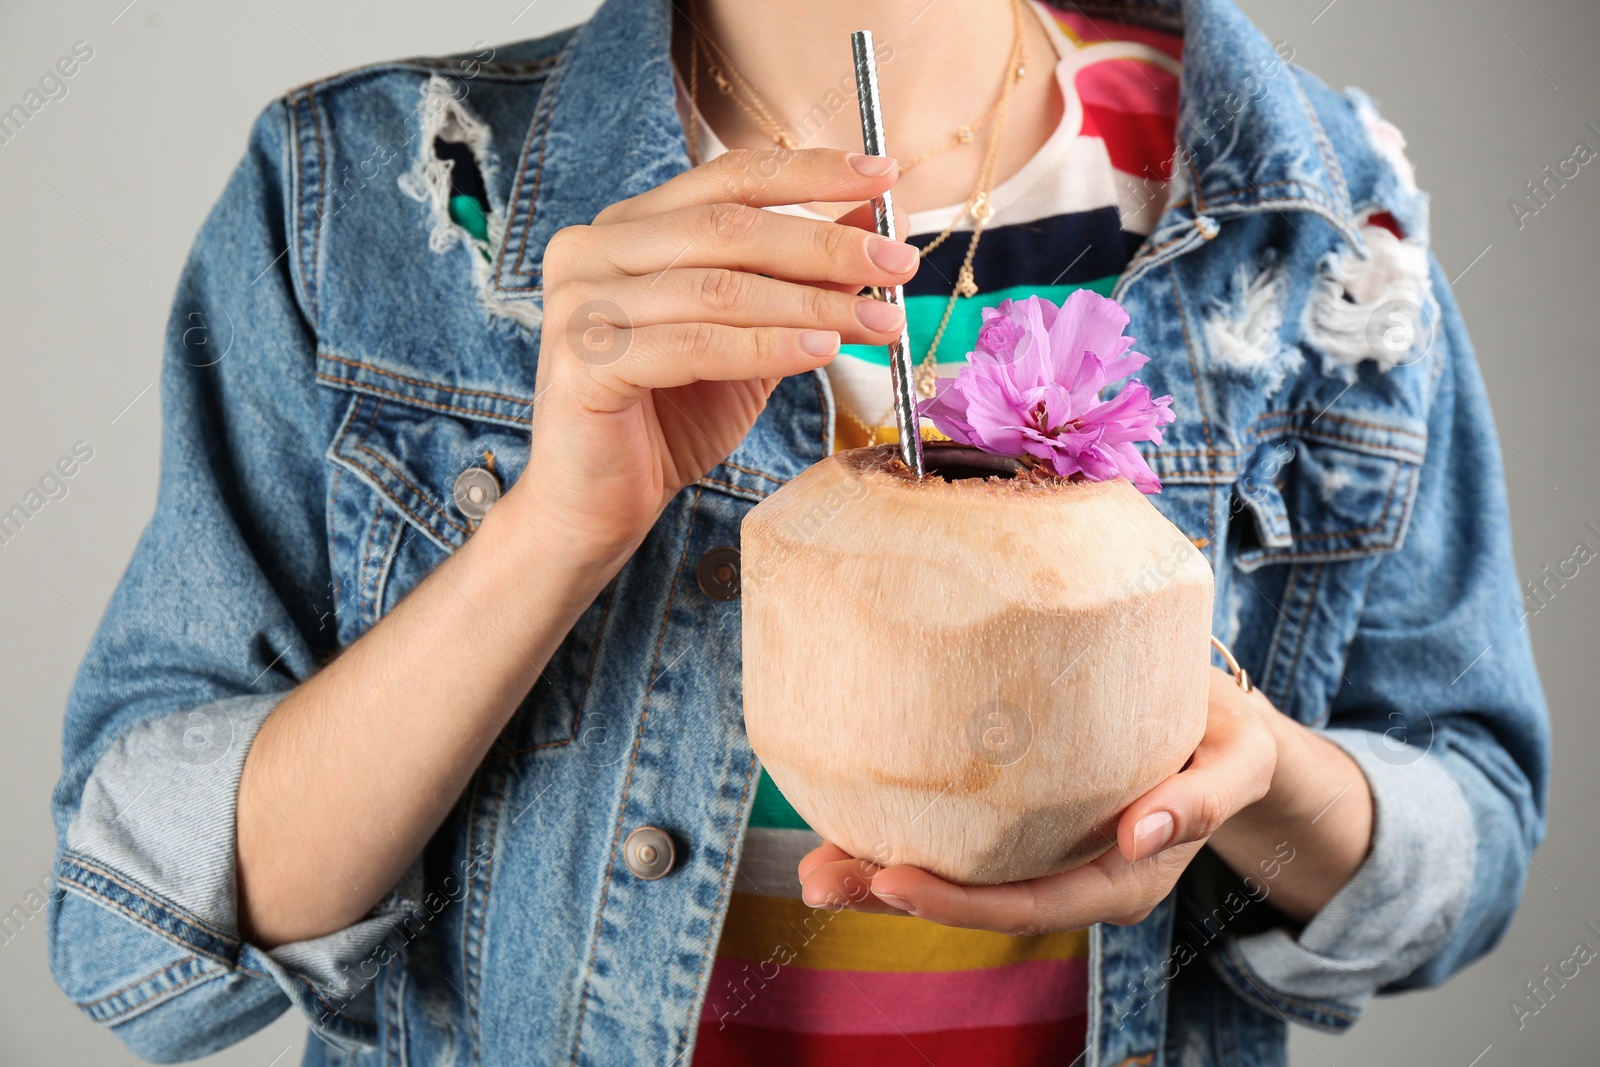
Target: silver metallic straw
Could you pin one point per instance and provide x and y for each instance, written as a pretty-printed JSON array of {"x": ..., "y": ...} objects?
[{"x": 901, "y": 378}]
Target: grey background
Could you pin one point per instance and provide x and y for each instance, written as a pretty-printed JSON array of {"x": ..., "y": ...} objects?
[{"x": 103, "y": 191}]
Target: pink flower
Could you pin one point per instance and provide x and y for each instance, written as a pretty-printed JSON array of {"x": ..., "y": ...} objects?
[{"x": 1031, "y": 388}]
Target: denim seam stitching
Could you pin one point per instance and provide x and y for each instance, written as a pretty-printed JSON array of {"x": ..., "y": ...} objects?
[
  {"x": 361, "y": 573},
  {"x": 1199, "y": 394},
  {"x": 311, "y": 280},
  {"x": 541, "y": 130},
  {"x": 752, "y": 470},
  {"x": 408, "y": 398},
  {"x": 1330, "y": 555},
  {"x": 386, "y": 568},
  {"x": 608, "y": 598},
  {"x": 474, "y": 926},
  {"x": 441, "y": 387},
  {"x": 133, "y": 916},
  {"x": 332, "y": 524},
  {"x": 470, "y": 933},
  {"x": 150, "y": 1001},
  {"x": 136, "y": 983},
  {"x": 1271, "y": 659},
  {"x": 124, "y": 883},
  {"x": 734, "y": 485},
  {"x": 1383, "y": 516},
  {"x": 418, "y": 65},
  {"x": 1232, "y": 963},
  {"x": 633, "y": 759},
  {"x": 412, "y": 486},
  {"x": 1304, "y": 638},
  {"x": 722, "y": 895}
]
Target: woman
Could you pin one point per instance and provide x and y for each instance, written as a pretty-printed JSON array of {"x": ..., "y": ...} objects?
[{"x": 431, "y": 729}]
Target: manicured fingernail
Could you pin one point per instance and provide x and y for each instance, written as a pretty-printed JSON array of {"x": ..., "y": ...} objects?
[
  {"x": 871, "y": 166},
  {"x": 892, "y": 256},
  {"x": 825, "y": 901},
  {"x": 819, "y": 342},
  {"x": 895, "y": 902},
  {"x": 1151, "y": 834},
  {"x": 879, "y": 316}
]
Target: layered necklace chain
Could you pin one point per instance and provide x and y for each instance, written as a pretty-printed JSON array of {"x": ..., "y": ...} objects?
[{"x": 978, "y": 207}]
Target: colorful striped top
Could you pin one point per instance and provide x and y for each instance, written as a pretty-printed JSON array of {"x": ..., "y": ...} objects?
[{"x": 798, "y": 985}]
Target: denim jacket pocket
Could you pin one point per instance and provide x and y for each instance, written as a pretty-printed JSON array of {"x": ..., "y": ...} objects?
[
  {"x": 394, "y": 518},
  {"x": 1324, "y": 488},
  {"x": 1322, "y": 497}
]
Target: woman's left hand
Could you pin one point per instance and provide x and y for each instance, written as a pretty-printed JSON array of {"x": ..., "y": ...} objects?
[{"x": 1157, "y": 836}]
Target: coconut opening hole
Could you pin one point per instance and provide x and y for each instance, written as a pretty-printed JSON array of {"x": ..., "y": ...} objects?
[{"x": 956, "y": 463}]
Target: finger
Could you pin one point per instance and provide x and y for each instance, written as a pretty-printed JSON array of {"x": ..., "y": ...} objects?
[
  {"x": 738, "y": 238},
  {"x": 762, "y": 179},
  {"x": 738, "y": 298},
  {"x": 1109, "y": 889},
  {"x": 827, "y": 852},
  {"x": 844, "y": 884},
  {"x": 616, "y": 365},
  {"x": 1231, "y": 769},
  {"x": 863, "y": 218},
  {"x": 756, "y": 240}
]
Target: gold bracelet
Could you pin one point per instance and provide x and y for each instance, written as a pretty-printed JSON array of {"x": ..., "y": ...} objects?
[{"x": 1240, "y": 675}]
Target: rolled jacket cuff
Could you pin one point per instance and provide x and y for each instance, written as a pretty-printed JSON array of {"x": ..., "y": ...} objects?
[
  {"x": 1395, "y": 913},
  {"x": 155, "y": 840}
]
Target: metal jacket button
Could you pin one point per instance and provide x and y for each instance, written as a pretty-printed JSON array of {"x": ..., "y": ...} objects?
[
  {"x": 475, "y": 492},
  {"x": 718, "y": 574},
  {"x": 649, "y": 853}
]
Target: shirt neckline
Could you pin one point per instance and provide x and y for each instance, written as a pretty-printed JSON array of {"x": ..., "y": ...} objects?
[{"x": 932, "y": 220}]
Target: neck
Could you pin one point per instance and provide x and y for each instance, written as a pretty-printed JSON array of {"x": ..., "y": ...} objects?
[{"x": 941, "y": 65}]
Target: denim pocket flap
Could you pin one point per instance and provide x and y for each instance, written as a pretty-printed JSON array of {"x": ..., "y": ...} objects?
[{"x": 1322, "y": 492}]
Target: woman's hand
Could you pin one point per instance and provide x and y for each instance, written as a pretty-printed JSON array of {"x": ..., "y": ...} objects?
[
  {"x": 1157, "y": 836},
  {"x": 669, "y": 320}
]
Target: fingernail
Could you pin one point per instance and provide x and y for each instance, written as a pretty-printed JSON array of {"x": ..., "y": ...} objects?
[
  {"x": 879, "y": 316},
  {"x": 1151, "y": 834},
  {"x": 892, "y": 256},
  {"x": 895, "y": 902},
  {"x": 827, "y": 901},
  {"x": 819, "y": 342},
  {"x": 871, "y": 166}
]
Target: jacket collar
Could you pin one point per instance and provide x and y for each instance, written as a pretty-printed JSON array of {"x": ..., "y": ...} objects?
[{"x": 607, "y": 128}]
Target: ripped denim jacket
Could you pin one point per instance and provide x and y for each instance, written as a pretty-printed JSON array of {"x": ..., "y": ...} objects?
[{"x": 1333, "y": 458}]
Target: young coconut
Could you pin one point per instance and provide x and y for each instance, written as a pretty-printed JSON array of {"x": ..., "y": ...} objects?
[{"x": 977, "y": 671}]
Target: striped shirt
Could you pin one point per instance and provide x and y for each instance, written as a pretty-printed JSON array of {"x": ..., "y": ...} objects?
[{"x": 797, "y": 985}]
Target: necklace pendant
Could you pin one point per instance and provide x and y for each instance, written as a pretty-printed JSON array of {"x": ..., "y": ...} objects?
[
  {"x": 964, "y": 135},
  {"x": 981, "y": 210},
  {"x": 966, "y": 283}
]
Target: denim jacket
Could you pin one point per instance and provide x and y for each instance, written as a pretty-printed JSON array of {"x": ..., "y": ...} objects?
[{"x": 340, "y": 352}]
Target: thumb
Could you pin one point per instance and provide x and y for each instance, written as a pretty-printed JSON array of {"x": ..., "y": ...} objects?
[{"x": 1230, "y": 770}]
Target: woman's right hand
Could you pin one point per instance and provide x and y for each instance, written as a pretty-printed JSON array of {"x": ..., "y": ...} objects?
[{"x": 670, "y": 319}]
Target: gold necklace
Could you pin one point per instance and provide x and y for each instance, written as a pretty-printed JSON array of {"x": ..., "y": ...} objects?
[
  {"x": 978, "y": 205},
  {"x": 734, "y": 85}
]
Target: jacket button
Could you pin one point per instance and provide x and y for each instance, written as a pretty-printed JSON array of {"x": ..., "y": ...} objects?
[
  {"x": 718, "y": 574},
  {"x": 649, "y": 853},
  {"x": 475, "y": 492}
]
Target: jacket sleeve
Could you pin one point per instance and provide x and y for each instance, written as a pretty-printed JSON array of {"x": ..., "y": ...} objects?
[
  {"x": 1444, "y": 713},
  {"x": 226, "y": 606}
]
